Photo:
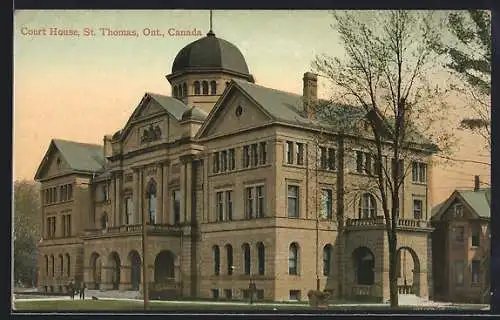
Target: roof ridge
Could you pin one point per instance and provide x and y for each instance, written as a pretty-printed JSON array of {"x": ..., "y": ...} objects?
[
  {"x": 270, "y": 89},
  {"x": 77, "y": 142}
]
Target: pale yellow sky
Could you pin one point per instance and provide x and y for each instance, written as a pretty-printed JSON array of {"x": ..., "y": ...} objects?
[{"x": 83, "y": 87}]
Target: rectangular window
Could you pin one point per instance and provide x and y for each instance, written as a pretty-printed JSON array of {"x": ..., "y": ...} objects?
[
  {"x": 323, "y": 157},
  {"x": 228, "y": 293},
  {"x": 331, "y": 159},
  {"x": 294, "y": 295},
  {"x": 459, "y": 273},
  {"x": 260, "y": 294},
  {"x": 293, "y": 201},
  {"x": 246, "y": 156},
  {"x": 414, "y": 172},
  {"x": 255, "y": 155},
  {"x": 70, "y": 191},
  {"x": 475, "y": 271},
  {"x": 216, "y": 162},
  {"x": 223, "y": 160},
  {"x": 232, "y": 162},
  {"x": 220, "y": 206},
  {"x": 68, "y": 226},
  {"x": 419, "y": 172},
  {"x": 422, "y": 173},
  {"x": 229, "y": 205},
  {"x": 215, "y": 293},
  {"x": 263, "y": 153},
  {"x": 289, "y": 152},
  {"x": 176, "y": 200},
  {"x": 129, "y": 209},
  {"x": 476, "y": 236},
  {"x": 417, "y": 209},
  {"x": 359, "y": 161},
  {"x": 459, "y": 234},
  {"x": 105, "y": 192},
  {"x": 459, "y": 210},
  {"x": 368, "y": 163},
  {"x": 300, "y": 153},
  {"x": 260, "y": 202},
  {"x": 51, "y": 227},
  {"x": 326, "y": 204},
  {"x": 249, "y": 203}
]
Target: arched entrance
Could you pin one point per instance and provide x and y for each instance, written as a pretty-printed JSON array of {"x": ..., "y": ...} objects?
[
  {"x": 135, "y": 269},
  {"x": 95, "y": 270},
  {"x": 164, "y": 267},
  {"x": 408, "y": 270},
  {"x": 114, "y": 269},
  {"x": 364, "y": 266}
]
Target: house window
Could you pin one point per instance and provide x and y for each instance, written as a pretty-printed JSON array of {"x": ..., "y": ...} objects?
[
  {"x": 196, "y": 87},
  {"x": 220, "y": 206},
  {"x": 367, "y": 207},
  {"x": 359, "y": 161},
  {"x": 229, "y": 205},
  {"x": 53, "y": 265},
  {"x": 246, "y": 156},
  {"x": 66, "y": 220},
  {"x": 417, "y": 209},
  {"x": 261, "y": 253},
  {"x": 327, "y": 259},
  {"x": 419, "y": 172},
  {"x": 70, "y": 191},
  {"x": 326, "y": 204},
  {"x": 228, "y": 293},
  {"x": 260, "y": 202},
  {"x": 263, "y": 152},
  {"x": 323, "y": 157},
  {"x": 294, "y": 295},
  {"x": 255, "y": 155},
  {"x": 205, "y": 87},
  {"x": 289, "y": 152},
  {"x": 152, "y": 202},
  {"x": 105, "y": 192},
  {"x": 476, "y": 236},
  {"x": 213, "y": 87},
  {"x": 459, "y": 273},
  {"x": 61, "y": 265},
  {"x": 215, "y": 293},
  {"x": 246, "y": 257},
  {"x": 254, "y": 206},
  {"x": 216, "y": 162},
  {"x": 216, "y": 256},
  {"x": 475, "y": 271},
  {"x": 229, "y": 255},
  {"x": 459, "y": 234},
  {"x": 184, "y": 89},
  {"x": 232, "y": 162},
  {"x": 223, "y": 160},
  {"x": 331, "y": 159},
  {"x": 293, "y": 259},
  {"x": 46, "y": 265},
  {"x": 129, "y": 206},
  {"x": 176, "y": 92},
  {"x": 51, "y": 227},
  {"x": 458, "y": 210},
  {"x": 299, "y": 153},
  {"x": 68, "y": 264},
  {"x": 293, "y": 201},
  {"x": 176, "y": 195}
]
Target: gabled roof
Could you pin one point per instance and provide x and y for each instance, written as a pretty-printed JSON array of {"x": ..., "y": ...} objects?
[
  {"x": 172, "y": 105},
  {"x": 478, "y": 201},
  {"x": 82, "y": 157}
]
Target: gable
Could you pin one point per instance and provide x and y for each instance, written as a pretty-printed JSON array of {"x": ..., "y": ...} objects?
[
  {"x": 450, "y": 213},
  {"x": 146, "y": 133},
  {"x": 151, "y": 107},
  {"x": 53, "y": 164},
  {"x": 234, "y": 112}
]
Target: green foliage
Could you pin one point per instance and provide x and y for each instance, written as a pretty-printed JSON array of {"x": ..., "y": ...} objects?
[{"x": 26, "y": 231}]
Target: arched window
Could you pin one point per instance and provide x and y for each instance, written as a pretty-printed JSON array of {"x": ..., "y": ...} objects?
[
  {"x": 184, "y": 89},
  {"x": 46, "y": 265},
  {"x": 246, "y": 257},
  {"x": 216, "y": 253},
  {"x": 196, "y": 87},
  {"x": 293, "y": 259},
  {"x": 151, "y": 194},
  {"x": 205, "y": 87},
  {"x": 213, "y": 87},
  {"x": 53, "y": 265},
  {"x": 68, "y": 265},
  {"x": 61, "y": 265},
  {"x": 176, "y": 92},
  {"x": 229, "y": 255},
  {"x": 104, "y": 220},
  {"x": 364, "y": 264},
  {"x": 261, "y": 253},
  {"x": 327, "y": 259},
  {"x": 367, "y": 206}
]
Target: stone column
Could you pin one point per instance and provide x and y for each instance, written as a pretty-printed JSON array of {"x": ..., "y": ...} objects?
[
  {"x": 140, "y": 197},
  {"x": 118, "y": 200},
  {"x": 135, "y": 197},
  {"x": 112, "y": 194},
  {"x": 182, "y": 181},
  {"x": 189, "y": 190},
  {"x": 165, "y": 218},
  {"x": 159, "y": 195}
]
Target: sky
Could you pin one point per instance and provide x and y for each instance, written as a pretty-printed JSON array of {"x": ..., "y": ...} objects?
[{"x": 83, "y": 87}]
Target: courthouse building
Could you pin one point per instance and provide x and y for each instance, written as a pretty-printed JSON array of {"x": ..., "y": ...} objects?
[{"x": 236, "y": 187}]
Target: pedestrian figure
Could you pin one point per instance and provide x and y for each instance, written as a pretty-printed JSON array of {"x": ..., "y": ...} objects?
[
  {"x": 71, "y": 289},
  {"x": 82, "y": 291}
]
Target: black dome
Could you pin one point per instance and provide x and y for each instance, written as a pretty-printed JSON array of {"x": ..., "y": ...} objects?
[{"x": 210, "y": 53}]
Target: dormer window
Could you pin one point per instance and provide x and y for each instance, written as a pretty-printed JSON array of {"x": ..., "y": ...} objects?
[
  {"x": 58, "y": 161},
  {"x": 176, "y": 92},
  {"x": 459, "y": 210},
  {"x": 213, "y": 87},
  {"x": 205, "y": 87},
  {"x": 196, "y": 87},
  {"x": 184, "y": 89}
]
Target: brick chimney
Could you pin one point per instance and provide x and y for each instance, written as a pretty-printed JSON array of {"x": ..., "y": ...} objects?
[
  {"x": 310, "y": 94},
  {"x": 476, "y": 183},
  {"x": 108, "y": 151}
]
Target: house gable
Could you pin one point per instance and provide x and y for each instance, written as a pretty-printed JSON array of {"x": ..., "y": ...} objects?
[
  {"x": 235, "y": 111},
  {"x": 53, "y": 164}
]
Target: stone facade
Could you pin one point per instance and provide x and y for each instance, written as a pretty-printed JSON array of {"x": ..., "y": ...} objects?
[{"x": 214, "y": 226}]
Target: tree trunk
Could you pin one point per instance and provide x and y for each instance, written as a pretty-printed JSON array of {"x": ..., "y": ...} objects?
[{"x": 393, "y": 278}]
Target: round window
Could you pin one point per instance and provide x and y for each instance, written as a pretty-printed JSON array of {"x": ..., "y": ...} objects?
[{"x": 239, "y": 111}]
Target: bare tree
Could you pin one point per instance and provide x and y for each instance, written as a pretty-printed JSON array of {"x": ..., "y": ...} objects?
[{"x": 387, "y": 72}]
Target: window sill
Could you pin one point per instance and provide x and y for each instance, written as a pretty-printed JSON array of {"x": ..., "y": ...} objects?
[
  {"x": 419, "y": 183},
  {"x": 220, "y": 173},
  {"x": 58, "y": 203},
  {"x": 327, "y": 170},
  {"x": 293, "y": 165}
]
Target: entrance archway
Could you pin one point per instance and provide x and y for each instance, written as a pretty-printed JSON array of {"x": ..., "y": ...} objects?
[
  {"x": 95, "y": 269},
  {"x": 135, "y": 269},
  {"x": 114, "y": 269},
  {"x": 364, "y": 265},
  {"x": 408, "y": 269},
  {"x": 164, "y": 267}
]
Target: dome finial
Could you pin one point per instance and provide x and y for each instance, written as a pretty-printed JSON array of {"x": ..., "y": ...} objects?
[{"x": 210, "y": 32}]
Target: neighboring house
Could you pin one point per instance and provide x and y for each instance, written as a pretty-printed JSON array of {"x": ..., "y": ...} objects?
[
  {"x": 235, "y": 189},
  {"x": 461, "y": 246}
]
